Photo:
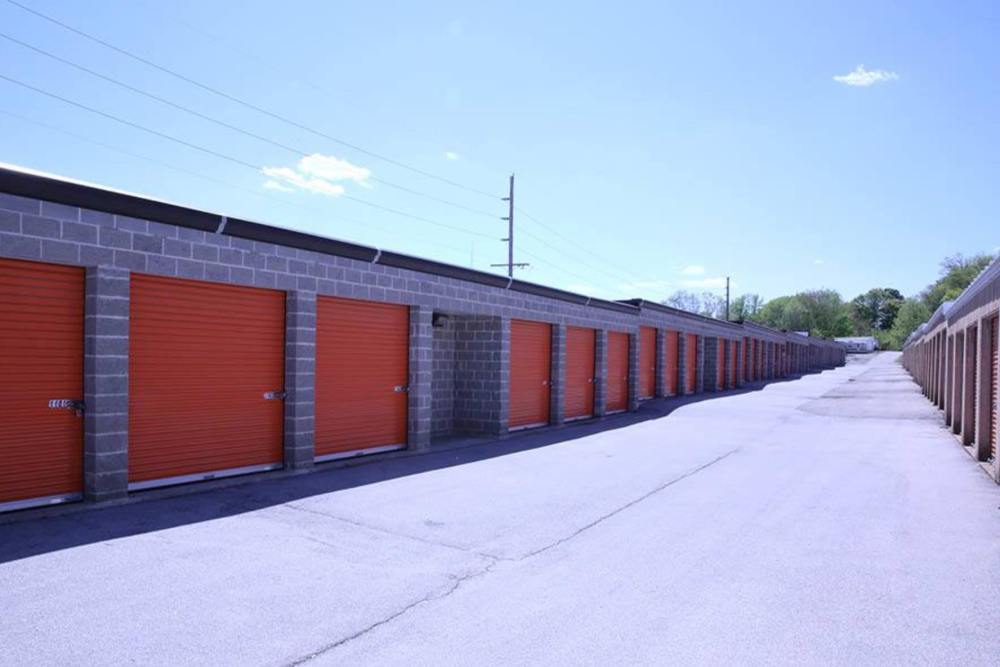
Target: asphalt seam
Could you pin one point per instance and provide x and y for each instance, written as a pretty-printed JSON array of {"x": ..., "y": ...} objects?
[{"x": 494, "y": 560}]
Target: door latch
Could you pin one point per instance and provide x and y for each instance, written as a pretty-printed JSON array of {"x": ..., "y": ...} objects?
[
  {"x": 274, "y": 395},
  {"x": 401, "y": 389},
  {"x": 68, "y": 404}
]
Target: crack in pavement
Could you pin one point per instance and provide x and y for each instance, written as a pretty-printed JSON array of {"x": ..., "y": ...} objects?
[{"x": 494, "y": 560}]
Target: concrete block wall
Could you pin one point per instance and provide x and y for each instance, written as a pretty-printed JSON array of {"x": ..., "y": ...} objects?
[{"x": 458, "y": 374}]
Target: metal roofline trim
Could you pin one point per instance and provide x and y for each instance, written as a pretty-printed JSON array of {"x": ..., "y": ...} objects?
[{"x": 643, "y": 304}]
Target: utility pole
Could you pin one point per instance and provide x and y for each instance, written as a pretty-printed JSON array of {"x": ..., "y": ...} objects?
[
  {"x": 510, "y": 233},
  {"x": 727, "y": 298}
]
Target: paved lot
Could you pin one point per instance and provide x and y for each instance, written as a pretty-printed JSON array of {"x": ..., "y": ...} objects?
[{"x": 827, "y": 520}]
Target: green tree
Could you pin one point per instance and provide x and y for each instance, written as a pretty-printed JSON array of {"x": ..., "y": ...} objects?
[
  {"x": 912, "y": 313},
  {"x": 820, "y": 312},
  {"x": 957, "y": 272},
  {"x": 745, "y": 307},
  {"x": 875, "y": 310}
]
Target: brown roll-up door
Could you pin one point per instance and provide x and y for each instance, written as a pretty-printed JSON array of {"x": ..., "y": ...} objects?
[
  {"x": 617, "y": 394},
  {"x": 690, "y": 363},
  {"x": 672, "y": 363},
  {"x": 994, "y": 383},
  {"x": 747, "y": 371},
  {"x": 41, "y": 360},
  {"x": 720, "y": 364},
  {"x": 733, "y": 358},
  {"x": 580, "y": 356},
  {"x": 362, "y": 371},
  {"x": 530, "y": 373},
  {"x": 206, "y": 376},
  {"x": 647, "y": 362}
]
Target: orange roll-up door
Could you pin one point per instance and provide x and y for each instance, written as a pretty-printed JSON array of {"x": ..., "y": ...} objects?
[
  {"x": 580, "y": 356},
  {"x": 41, "y": 359},
  {"x": 690, "y": 363},
  {"x": 206, "y": 372},
  {"x": 672, "y": 363},
  {"x": 617, "y": 396},
  {"x": 530, "y": 373},
  {"x": 733, "y": 359},
  {"x": 994, "y": 383},
  {"x": 720, "y": 364},
  {"x": 647, "y": 362},
  {"x": 362, "y": 371},
  {"x": 746, "y": 360}
]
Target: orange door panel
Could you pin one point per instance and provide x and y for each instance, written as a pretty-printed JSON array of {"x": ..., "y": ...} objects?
[
  {"x": 580, "y": 355},
  {"x": 41, "y": 359},
  {"x": 672, "y": 362},
  {"x": 747, "y": 372},
  {"x": 530, "y": 373},
  {"x": 720, "y": 365},
  {"x": 617, "y": 396},
  {"x": 647, "y": 362},
  {"x": 732, "y": 364},
  {"x": 362, "y": 370},
  {"x": 203, "y": 356},
  {"x": 994, "y": 383},
  {"x": 691, "y": 363}
]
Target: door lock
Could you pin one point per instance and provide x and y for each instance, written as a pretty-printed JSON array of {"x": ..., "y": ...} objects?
[
  {"x": 274, "y": 395},
  {"x": 67, "y": 404},
  {"x": 401, "y": 389}
]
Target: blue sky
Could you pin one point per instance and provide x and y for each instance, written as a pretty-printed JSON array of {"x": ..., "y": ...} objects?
[{"x": 662, "y": 145}]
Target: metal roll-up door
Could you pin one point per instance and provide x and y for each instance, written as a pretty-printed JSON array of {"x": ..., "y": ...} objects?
[
  {"x": 690, "y": 363},
  {"x": 733, "y": 357},
  {"x": 672, "y": 363},
  {"x": 206, "y": 380},
  {"x": 994, "y": 383},
  {"x": 41, "y": 360},
  {"x": 580, "y": 357},
  {"x": 530, "y": 373},
  {"x": 617, "y": 393},
  {"x": 362, "y": 371},
  {"x": 720, "y": 363},
  {"x": 647, "y": 362},
  {"x": 746, "y": 360},
  {"x": 973, "y": 351}
]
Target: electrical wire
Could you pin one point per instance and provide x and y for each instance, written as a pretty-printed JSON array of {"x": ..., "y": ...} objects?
[
  {"x": 246, "y": 104},
  {"x": 221, "y": 123},
  {"x": 208, "y": 151},
  {"x": 218, "y": 181}
]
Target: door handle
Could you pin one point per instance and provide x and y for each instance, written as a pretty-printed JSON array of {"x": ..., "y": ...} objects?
[
  {"x": 275, "y": 395},
  {"x": 401, "y": 389},
  {"x": 68, "y": 404}
]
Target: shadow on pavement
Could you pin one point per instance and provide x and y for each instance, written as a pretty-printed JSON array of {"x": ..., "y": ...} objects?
[{"x": 167, "y": 508}]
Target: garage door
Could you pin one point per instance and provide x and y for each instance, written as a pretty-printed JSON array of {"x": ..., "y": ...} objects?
[
  {"x": 206, "y": 375},
  {"x": 647, "y": 362},
  {"x": 720, "y": 364},
  {"x": 671, "y": 363},
  {"x": 580, "y": 355},
  {"x": 530, "y": 373},
  {"x": 617, "y": 398},
  {"x": 747, "y": 371},
  {"x": 994, "y": 383},
  {"x": 41, "y": 360},
  {"x": 362, "y": 371},
  {"x": 733, "y": 358},
  {"x": 690, "y": 363},
  {"x": 973, "y": 350}
]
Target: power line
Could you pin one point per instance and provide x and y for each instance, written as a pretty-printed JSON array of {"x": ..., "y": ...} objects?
[
  {"x": 208, "y": 151},
  {"x": 222, "y": 123},
  {"x": 212, "y": 179},
  {"x": 244, "y": 103}
]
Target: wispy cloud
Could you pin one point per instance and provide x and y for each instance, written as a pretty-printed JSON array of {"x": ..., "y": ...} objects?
[
  {"x": 317, "y": 173},
  {"x": 693, "y": 270},
  {"x": 449, "y": 155},
  {"x": 818, "y": 262},
  {"x": 705, "y": 283},
  {"x": 863, "y": 78},
  {"x": 275, "y": 185}
]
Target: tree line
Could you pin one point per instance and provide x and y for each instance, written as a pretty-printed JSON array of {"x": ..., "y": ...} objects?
[{"x": 882, "y": 312}]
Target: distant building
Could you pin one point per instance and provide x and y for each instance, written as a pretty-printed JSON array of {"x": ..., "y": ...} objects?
[{"x": 859, "y": 344}]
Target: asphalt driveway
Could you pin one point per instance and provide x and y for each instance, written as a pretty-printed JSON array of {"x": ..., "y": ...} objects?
[{"x": 828, "y": 520}]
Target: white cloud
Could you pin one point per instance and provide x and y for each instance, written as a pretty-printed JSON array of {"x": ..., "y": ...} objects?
[
  {"x": 317, "y": 173},
  {"x": 275, "y": 185},
  {"x": 705, "y": 283},
  {"x": 863, "y": 77},
  {"x": 818, "y": 262},
  {"x": 693, "y": 270},
  {"x": 449, "y": 155}
]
